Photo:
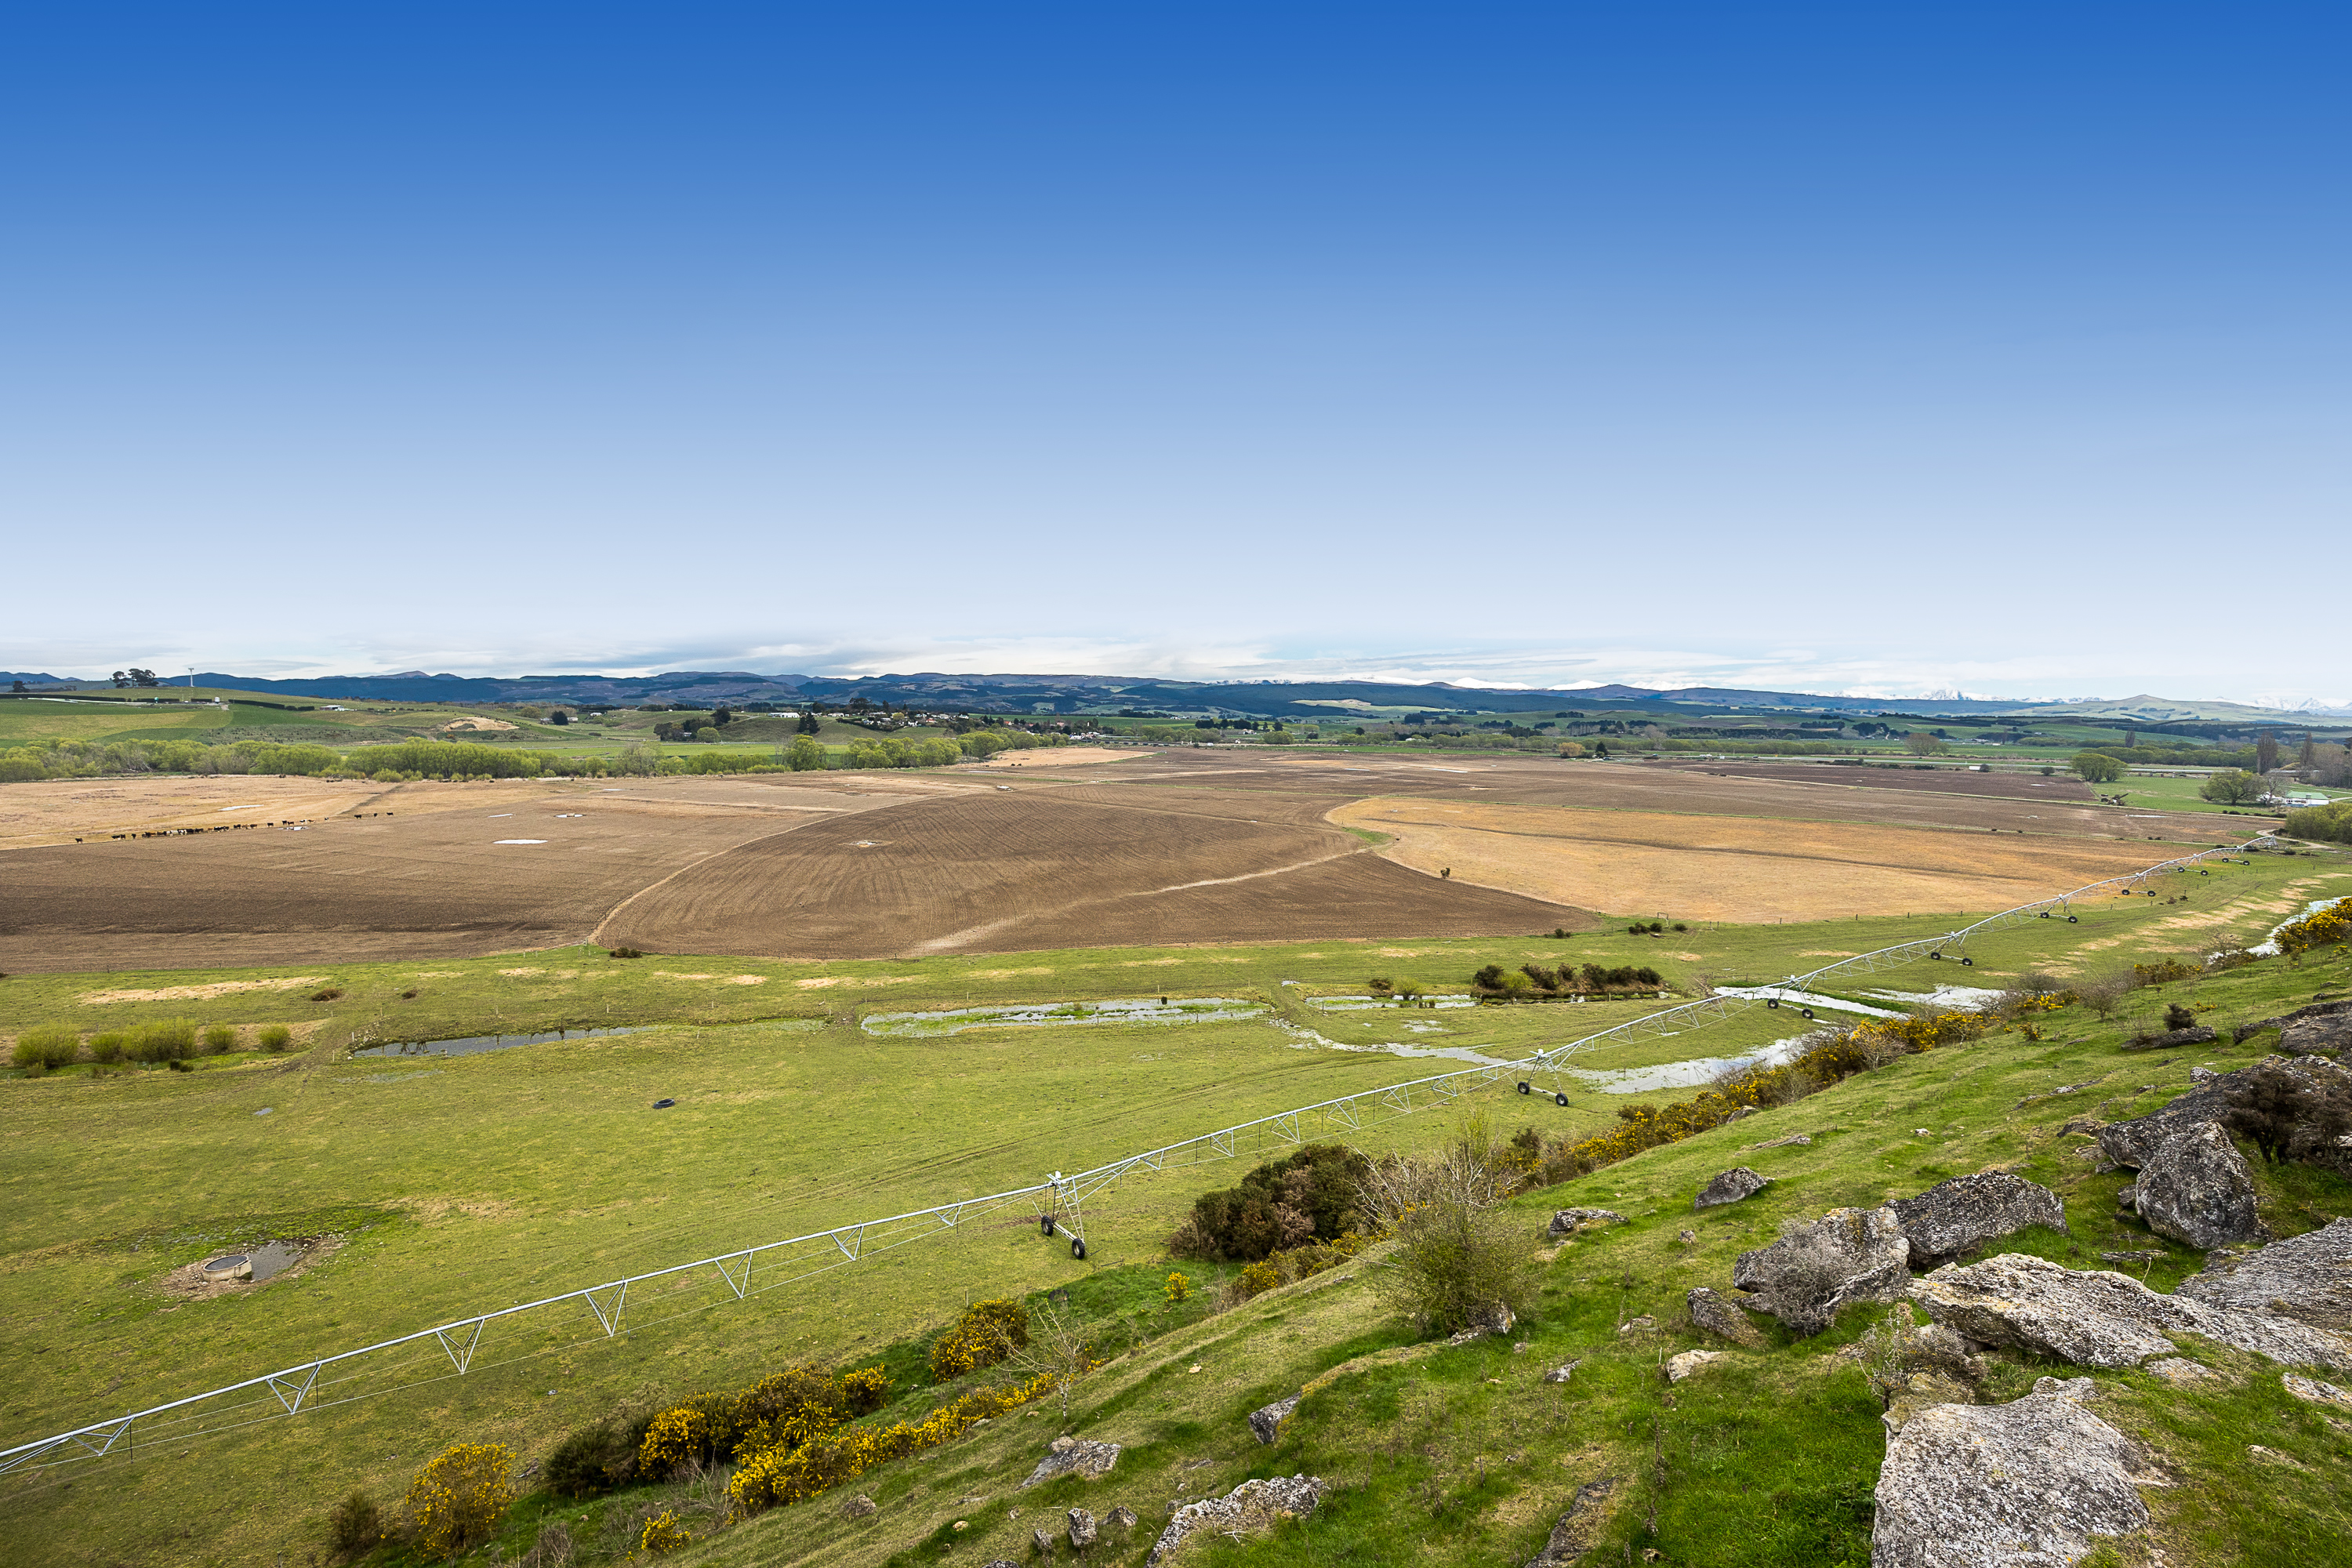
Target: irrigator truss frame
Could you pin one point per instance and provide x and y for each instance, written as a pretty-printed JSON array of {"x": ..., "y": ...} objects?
[{"x": 1059, "y": 1200}]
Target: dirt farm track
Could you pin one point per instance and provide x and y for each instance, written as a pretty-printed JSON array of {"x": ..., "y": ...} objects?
[{"x": 1183, "y": 846}]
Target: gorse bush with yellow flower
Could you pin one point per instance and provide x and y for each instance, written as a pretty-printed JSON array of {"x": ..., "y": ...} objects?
[
  {"x": 2321, "y": 928},
  {"x": 781, "y": 1476},
  {"x": 986, "y": 1333},
  {"x": 1831, "y": 1057},
  {"x": 458, "y": 1500},
  {"x": 784, "y": 1409}
]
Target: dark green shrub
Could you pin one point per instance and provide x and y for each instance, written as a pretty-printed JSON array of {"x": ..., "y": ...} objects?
[
  {"x": 51, "y": 1045},
  {"x": 275, "y": 1038},
  {"x": 355, "y": 1526},
  {"x": 219, "y": 1039},
  {"x": 595, "y": 1459},
  {"x": 1310, "y": 1195}
]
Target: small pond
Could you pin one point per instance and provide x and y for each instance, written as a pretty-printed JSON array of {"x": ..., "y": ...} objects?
[
  {"x": 474, "y": 1044},
  {"x": 1054, "y": 1014}
]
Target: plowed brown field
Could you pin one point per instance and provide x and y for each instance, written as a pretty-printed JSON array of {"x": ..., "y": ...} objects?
[
  {"x": 419, "y": 883},
  {"x": 1010, "y": 873},
  {"x": 1180, "y": 846}
]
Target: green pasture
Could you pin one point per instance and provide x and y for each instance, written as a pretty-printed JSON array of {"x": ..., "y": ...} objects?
[
  {"x": 1461, "y": 1456},
  {"x": 1465, "y": 1457},
  {"x": 459, "y": 1184}
]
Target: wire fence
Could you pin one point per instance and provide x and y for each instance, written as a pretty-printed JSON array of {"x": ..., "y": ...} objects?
[{"x": 506, "y": 1335}]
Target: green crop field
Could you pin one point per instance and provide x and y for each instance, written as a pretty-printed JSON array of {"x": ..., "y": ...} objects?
[{"x": 461, "y": 1184}]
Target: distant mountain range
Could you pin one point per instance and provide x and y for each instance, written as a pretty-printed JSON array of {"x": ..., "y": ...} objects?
[{"x": 1192, "y": 698}]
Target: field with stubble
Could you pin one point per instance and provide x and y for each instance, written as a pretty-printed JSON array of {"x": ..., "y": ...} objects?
[{"x": 1729, "y": 868}]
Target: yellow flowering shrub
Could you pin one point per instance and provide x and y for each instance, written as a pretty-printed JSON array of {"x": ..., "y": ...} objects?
[
  {"x": 678, "y": 1437},
  {"x": 664, "y": 1533},
  {"x": 780, "y": 1477},
  {"x": 458, "y": 1500},
  {"x": 867, "y": 1389},
  {"x": 1258, "y": 1279},
  {"x": 2321, "y": 928},
  {"x": 1178, "y": 1289},
  {"x": 986, "y": 1333}
]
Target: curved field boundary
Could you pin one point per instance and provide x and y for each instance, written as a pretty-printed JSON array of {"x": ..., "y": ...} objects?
[{"x": 1058, "y": 1200}]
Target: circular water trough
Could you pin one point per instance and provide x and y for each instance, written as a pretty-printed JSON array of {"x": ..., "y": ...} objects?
[{"x": 234, "y": 1266}]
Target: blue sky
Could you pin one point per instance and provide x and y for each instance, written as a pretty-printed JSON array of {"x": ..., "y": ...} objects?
[{"x": 1869, "y": 347}]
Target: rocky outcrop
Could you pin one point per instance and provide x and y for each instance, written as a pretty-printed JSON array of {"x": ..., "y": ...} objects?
[
  {"x": 2197, "y": 1189},
  {"x": 1730, "y": 1188},
  {"x": 1571, "y": 1538},
  {"x": 2195, "y": 1035},
  {"x": 1121, "y": 1517},
  {"x": 859, "y": 1507},
  {"x": 1566, "y": 1222},
  {"x": 1713, "y": 1315},
  {"x": 1265, "y": 1421},
  {"x": 1924, "y": 1390},
  {"x": 1249, "y": 1509},
  {"x": 2308, "y": 1278},
  {"x": 2029, "y": 1484},
  {"x": 2246, "y": 1032},
  {"x": 1813, "y": 1270},
  {"x": 1074, "y": 1457},
  {"x": 2100, "y": 1318},
  {"x": 1497, "y": 1318},
  {"x": 2318, "y": 1037},
  {"x": 2317, "y": 1392},
  {"x": 1951, "y": 1217},
  {"x": 1081, "y": 1529},
  {"x": 2133, "y": 1143},
  {"x": 1679, "y": 1367}
]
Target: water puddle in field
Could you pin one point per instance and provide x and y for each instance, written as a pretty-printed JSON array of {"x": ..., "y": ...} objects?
[
  {"x": 1789, "y": 998},
  {"x": 1376, "y": 1004},
  {"x": 1693, "y": 1074},
  {"x": 473, "y": 1045},
  {"x": 1965, "y": 998},
  {"x": 1305, "y": 1039},
  {"x": 2269, "y": 946},
  {"x": 1057, "y": 1015}
]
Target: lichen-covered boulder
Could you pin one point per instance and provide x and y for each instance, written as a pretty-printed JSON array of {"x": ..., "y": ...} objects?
[
  {"x": 1075, "y": 1456},
  {"x": 2197, "y": 1189},
  {"x": 1081, "y": 1529},
  {"x": 1265, "y": 1421},
  {"x": 2029, "y": 1484},
  {"x": 2308, "y": 1278},
  {"x": 2132, "y": 1144},
  {"x": 1566, "y": 1222},
  {"x": 1249, "y": 1509},
  {"x": 1953, "y": 1217},
  {"x": 2195, "y": 1035},
  {"x": 2326, "y": 1036},
  {"x": 1679, "y": 1367},
  {"x": 1813, "y": 1270},
  {"x": 1730, "y": 1188},
  {"x": 1571, "y": 1538},
  {"x": 1713, "y": 1315},
  {"x": 2094, "y": 1317},
  {"x": 2316, "y": 1010}
]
